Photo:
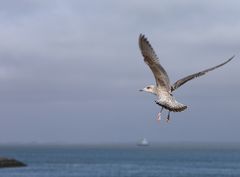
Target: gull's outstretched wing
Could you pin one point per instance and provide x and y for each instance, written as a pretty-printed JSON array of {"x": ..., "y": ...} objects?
[
  {"x": 192, "y": 76},
  {"x": 151, "y": 59}
]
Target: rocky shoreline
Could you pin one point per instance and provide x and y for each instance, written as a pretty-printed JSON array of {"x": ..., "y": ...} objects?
[{"x": 6, "y": 162}]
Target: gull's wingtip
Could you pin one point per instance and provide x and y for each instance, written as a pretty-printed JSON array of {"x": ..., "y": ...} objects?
[
  {"x": 141, "y": 40},
  {"x": 231, "y": 57},
  {"x": 141, "y": 36}
]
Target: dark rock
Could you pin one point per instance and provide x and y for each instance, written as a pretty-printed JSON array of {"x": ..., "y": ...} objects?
[{"x": 5, "y": 162}]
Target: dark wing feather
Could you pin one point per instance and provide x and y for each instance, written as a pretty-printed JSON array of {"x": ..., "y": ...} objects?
[
  {"x": 182, "y": 81},
  {"x": 151, "y": 59}
]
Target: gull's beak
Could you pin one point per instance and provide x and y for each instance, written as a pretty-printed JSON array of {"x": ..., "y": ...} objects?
[{"x": 140, "y": 90}]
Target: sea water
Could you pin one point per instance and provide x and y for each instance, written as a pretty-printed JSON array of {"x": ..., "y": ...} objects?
[{"x": 122, "y": 161}]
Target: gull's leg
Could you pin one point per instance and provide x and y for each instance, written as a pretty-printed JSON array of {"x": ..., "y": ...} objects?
[
  {"x": 168, "y": 117},
  {"x": 159, "y": 114}
]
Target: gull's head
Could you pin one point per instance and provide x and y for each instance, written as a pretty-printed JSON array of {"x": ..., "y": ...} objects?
[{"x": 149, "y": 89}]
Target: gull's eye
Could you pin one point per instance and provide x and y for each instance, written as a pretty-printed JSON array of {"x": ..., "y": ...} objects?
[{"x": 148, "y": 87}]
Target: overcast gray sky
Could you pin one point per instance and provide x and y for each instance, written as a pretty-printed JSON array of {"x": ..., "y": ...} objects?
[{"x": 70, "y": 70}]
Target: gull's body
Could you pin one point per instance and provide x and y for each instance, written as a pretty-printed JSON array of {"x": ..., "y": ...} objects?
[{"x": 163, "y": 89}]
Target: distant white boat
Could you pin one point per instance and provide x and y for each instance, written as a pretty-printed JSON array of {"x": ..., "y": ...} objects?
[{"x": 143, "y": 142}]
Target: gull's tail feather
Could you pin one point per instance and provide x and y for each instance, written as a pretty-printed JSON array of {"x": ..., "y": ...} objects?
[{"x": 171, "y": 104}]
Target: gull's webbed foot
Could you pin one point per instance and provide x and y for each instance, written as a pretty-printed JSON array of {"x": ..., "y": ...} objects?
[
  {"x": 168, "y": 117},
  {"x": 159, "y": 115}
]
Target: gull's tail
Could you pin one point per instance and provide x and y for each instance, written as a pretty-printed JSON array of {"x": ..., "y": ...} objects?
[{"x": 171, "y": 104}]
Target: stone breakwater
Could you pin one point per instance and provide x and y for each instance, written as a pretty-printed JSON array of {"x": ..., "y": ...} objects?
[{"x": 6, "y": 162}]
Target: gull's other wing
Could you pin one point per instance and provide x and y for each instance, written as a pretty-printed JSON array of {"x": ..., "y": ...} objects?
[{"x": 182, "y": 81}]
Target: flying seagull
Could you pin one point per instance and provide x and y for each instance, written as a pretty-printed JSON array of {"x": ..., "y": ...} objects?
[{"x": 163, "y": 89}]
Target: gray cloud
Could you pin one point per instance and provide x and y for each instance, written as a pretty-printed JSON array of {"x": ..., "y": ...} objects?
[{"x": 75, "y": 66}]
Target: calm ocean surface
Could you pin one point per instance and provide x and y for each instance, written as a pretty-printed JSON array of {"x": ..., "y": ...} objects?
[{"x": 77, "y": 161}]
